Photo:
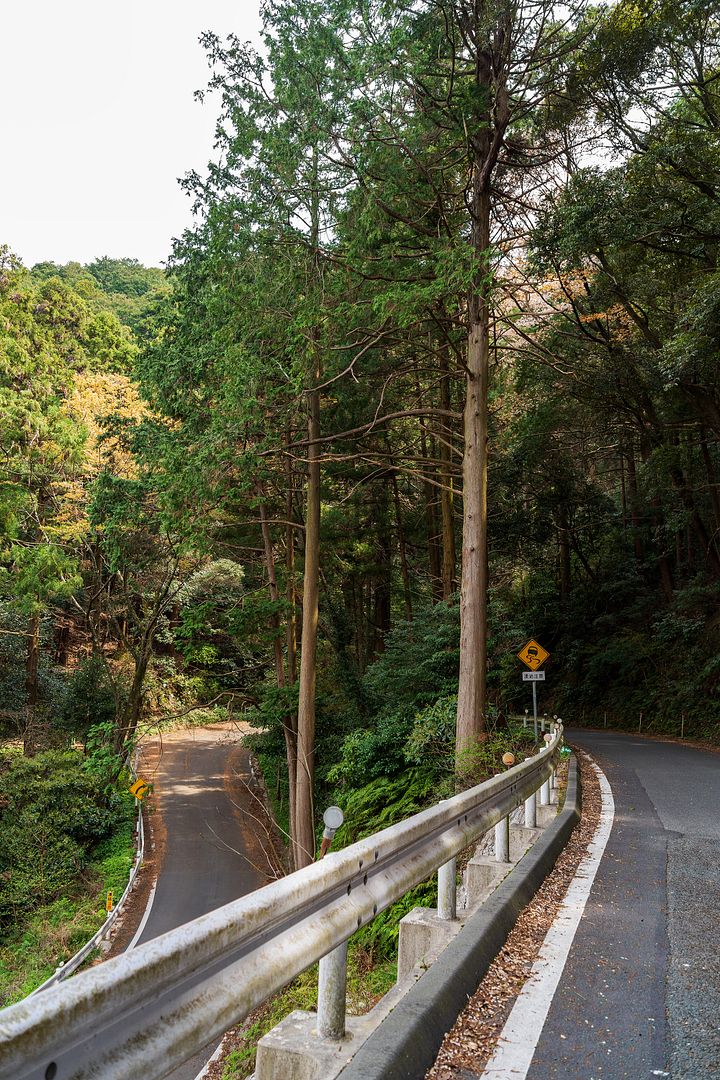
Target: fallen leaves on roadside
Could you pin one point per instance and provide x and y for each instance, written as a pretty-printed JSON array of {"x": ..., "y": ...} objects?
[{"x": 471, "y": 1041}]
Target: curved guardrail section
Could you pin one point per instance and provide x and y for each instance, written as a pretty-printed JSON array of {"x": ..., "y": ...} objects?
[{"x": 147, "y": 1011}]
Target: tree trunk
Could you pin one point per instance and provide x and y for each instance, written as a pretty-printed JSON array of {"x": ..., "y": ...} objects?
[
  {"x": 274, "y": 595},
  {"x": 472, "y": 686},
  {"x": 634, "y": 516},
  {"x": 431, "y": 521},
  {"x": 32, "y": 662},
  {"x": 382, "y": 584},
  {"x": 666, "y": 576},
  {"x": 711, "y": 479},
  {"x": 484, "y": 144},
  {"x": 289, "y": 721},
  {"x": 707, "y": 542},
  {"x": 290, "y": 567},
  {"x": 402, "y": 550},
  {"x": 449, "y": 583},
  {"x": 564, "y": 551},
  {"x": 304, "y": 843},
  {"x": 126, "y": 728}
]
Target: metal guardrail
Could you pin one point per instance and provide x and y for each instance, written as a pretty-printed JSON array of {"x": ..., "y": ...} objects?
[
  {"x": 147, "y": 1011},
  {"x": 71, "y": 965}
]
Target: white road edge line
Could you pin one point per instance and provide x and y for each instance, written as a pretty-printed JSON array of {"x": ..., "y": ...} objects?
[
  {"x": 206, "y": 1067},
  {"x": 519, "y": 1038},
  {"x": 144, "y": 919}
]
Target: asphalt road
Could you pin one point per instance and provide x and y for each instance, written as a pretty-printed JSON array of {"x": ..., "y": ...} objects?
[
  {"x": 209, "y": 850},
  {"x": 640, "y": 994}
]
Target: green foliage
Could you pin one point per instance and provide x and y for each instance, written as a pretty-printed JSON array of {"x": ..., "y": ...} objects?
[
  {"x": 122, "y": 289},
  {"x": 380, "y": 937},
  {"x": 103, "y": 762},
  {"x": 52, "y": 815},
  {"x": 432, "y": 737},
  {"x": 369, "y": 753},
  {"x": 420, "y": 659},
  {"x": 35, "y": 943},
  {"x": 377, "y": 805},
  {"x": 88, "y": 699},
  {"x": 34, "y": 575}
]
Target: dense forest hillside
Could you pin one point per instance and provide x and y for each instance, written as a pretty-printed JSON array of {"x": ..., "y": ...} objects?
[
  {"x": 435, "y": 371},
  {"x": 67, "y": 364}
]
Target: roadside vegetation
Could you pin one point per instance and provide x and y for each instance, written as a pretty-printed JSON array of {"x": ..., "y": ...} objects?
[{"x": 65, "y": 842}]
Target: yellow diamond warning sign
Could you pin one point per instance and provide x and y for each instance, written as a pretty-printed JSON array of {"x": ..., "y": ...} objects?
[
  {"x": 533, "y": 655},
  {"x": 140, "y": 788}
]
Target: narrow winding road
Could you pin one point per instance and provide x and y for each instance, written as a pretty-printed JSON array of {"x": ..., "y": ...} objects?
[
  {"x": 640, "y": 993},
  {"x": 207, "y": 840}
]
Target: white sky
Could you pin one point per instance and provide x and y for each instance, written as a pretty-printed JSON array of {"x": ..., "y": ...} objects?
[{"x": 98, "y": 121}]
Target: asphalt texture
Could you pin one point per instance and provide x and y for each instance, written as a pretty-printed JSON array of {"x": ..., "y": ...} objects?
[
  {"x": 210, "y": 851},
  {"x": 640, "y": 994}
]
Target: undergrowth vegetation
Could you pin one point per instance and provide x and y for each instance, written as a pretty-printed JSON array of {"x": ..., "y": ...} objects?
[{"x": 66, "y": 841}]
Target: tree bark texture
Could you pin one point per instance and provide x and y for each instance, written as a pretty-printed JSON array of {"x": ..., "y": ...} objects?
[
  {"x": 404, "y": 570},
  {"x": 289, "y": 721},
  {"x": 304, "y": 843},
  {"x": 472, "y": 686},
  {"x": 485, "y": 141},
  {"x": 431, "y": 520},
  {"x": 711, "y": 480},
  {"x": 31, "y": 684},
  {"x": 449, "y": 583}
]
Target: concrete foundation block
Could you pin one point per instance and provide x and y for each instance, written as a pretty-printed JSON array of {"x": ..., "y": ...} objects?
[
  {"x": 546, "y": 815},
  {"x": 294, "y": 1051},
  {"x": 521, "y": 838},
  {"x": 422, "y": 936},
  {"x": 482, "y": 875}
]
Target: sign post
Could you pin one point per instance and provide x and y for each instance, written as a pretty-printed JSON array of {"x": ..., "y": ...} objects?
[{"x": 533, "y": 656}]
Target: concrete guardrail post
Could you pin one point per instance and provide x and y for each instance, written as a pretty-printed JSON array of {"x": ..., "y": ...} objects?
[
  {"x": 502, "y": 829},
  {"x": 332, "y": 992},
  {"x": 502, "y": 840},
  {"x": 447, "y": 890},
  {"x": 531, "y": 811}
]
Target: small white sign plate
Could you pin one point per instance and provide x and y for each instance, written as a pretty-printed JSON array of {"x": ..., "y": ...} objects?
[{"x": 533, "y": 676}]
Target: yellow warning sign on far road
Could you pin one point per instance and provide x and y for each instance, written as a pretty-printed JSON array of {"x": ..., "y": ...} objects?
[
  {"x": 140, "y": 788},
  {"x": 533, "y": 655}
]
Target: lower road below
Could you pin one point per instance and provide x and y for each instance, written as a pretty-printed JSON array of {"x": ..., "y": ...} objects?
[
  {"x": 640, "y": 993},
  {"x": 209, "y": 848}
]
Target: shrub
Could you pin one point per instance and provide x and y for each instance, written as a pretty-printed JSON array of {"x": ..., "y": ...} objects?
[
  {"x": 52, "y": 814},
  {"x": 420, "y": 661}
]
